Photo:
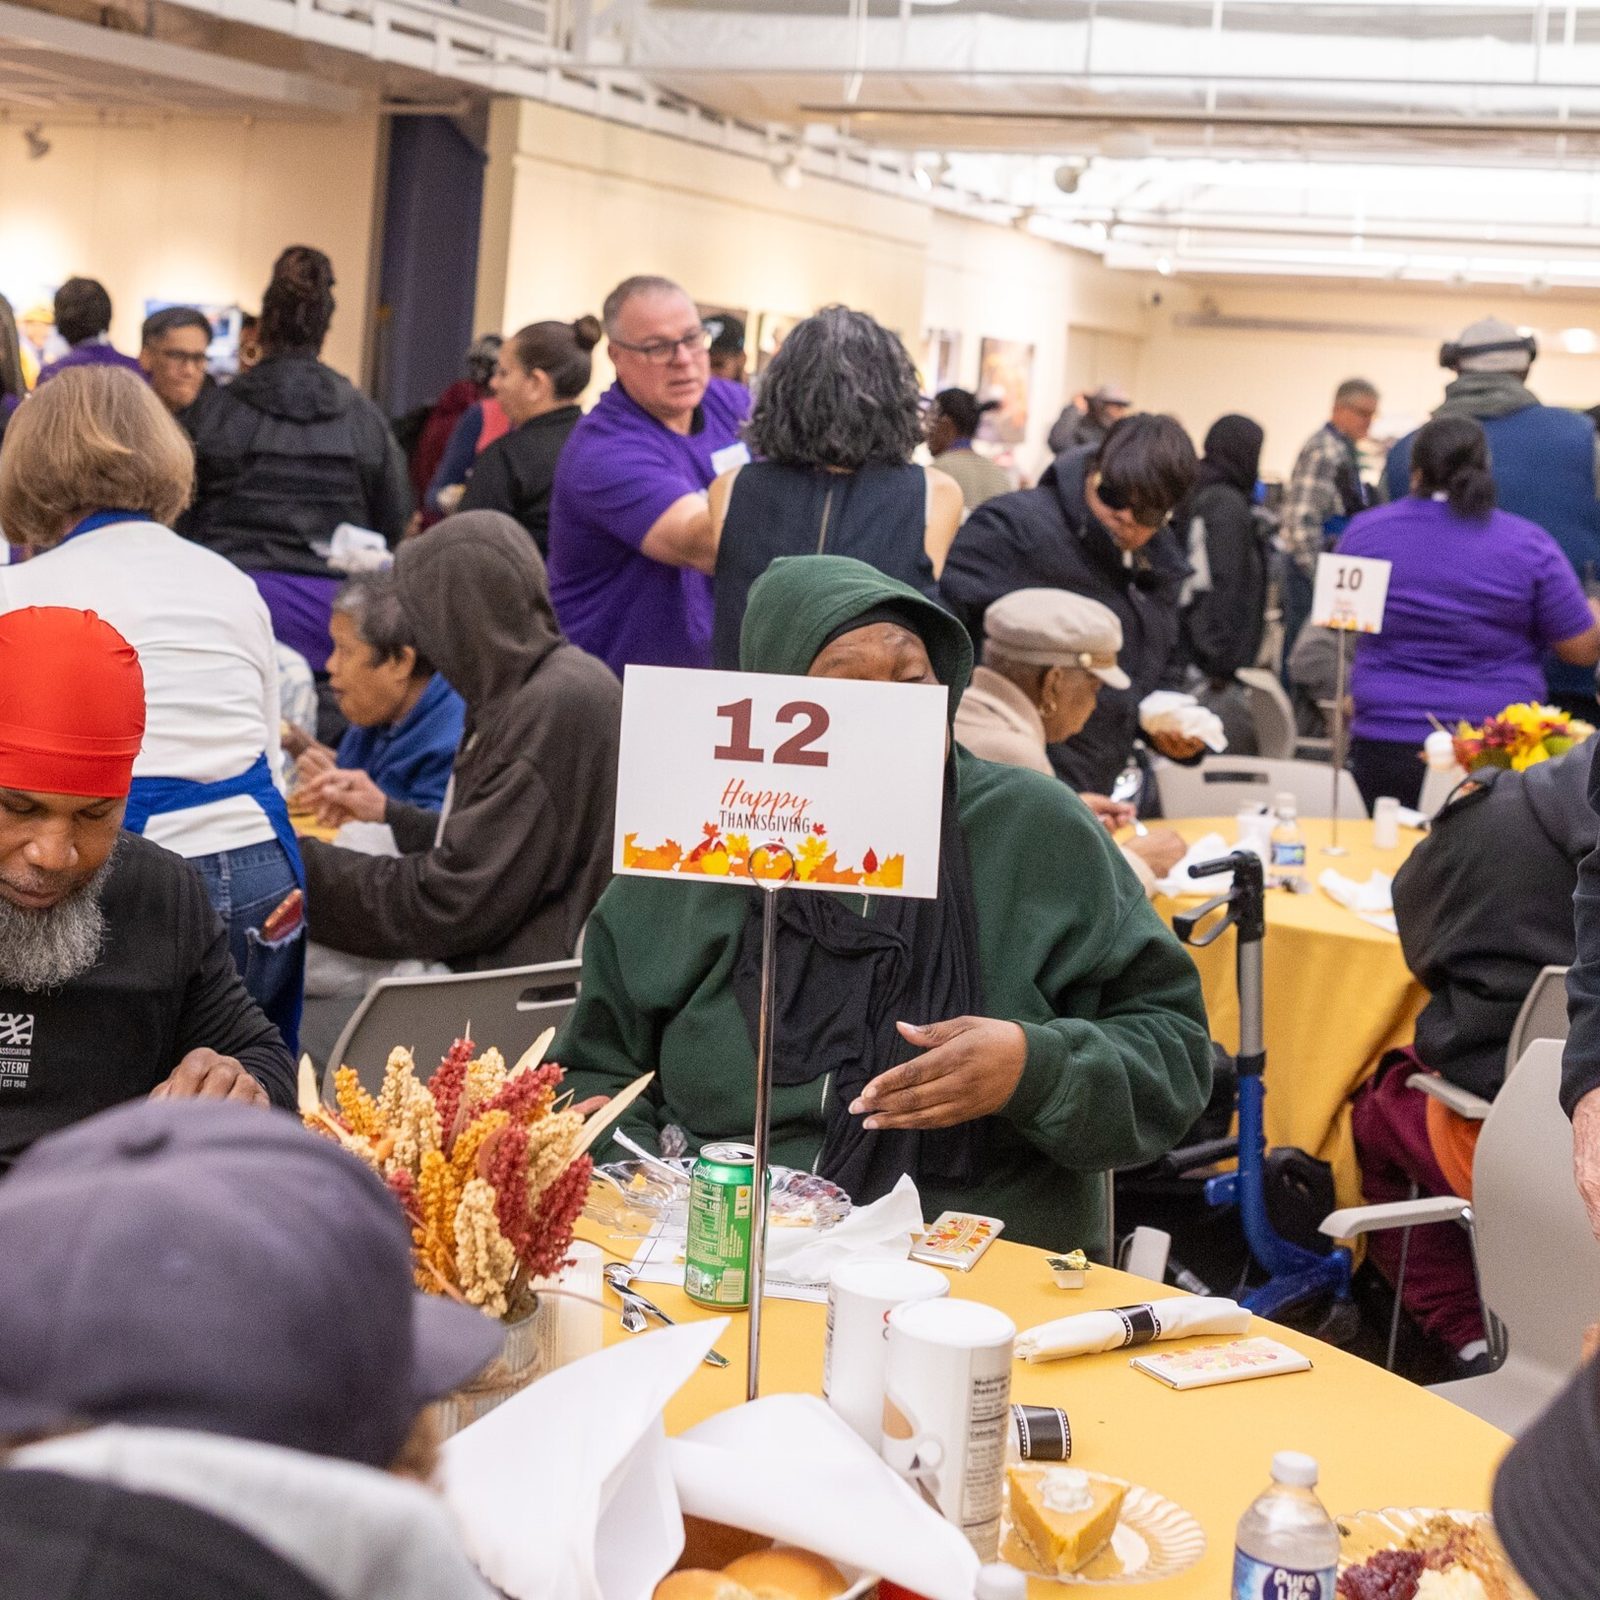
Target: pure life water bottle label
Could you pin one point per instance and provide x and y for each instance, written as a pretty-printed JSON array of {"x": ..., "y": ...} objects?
[{"x": 1260, "y": 1580}]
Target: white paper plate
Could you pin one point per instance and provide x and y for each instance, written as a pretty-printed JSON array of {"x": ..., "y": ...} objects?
[
  {"x": 1154, "y": 1538},
  {"x": 1364, "y": 1533}
]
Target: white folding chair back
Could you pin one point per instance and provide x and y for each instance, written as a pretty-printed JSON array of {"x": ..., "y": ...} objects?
[
  {"x": 1270, "y": 711},
  {"x": 1219, "y": 785},
  {"x": 1537, "y": 1258},
  {"x": 1543, "y": 1015},
  {"x": 507, "y": 1008}
]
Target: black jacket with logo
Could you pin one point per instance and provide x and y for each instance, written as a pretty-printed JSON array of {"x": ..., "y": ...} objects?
[
  {"x": 164, "y": 985},
  {"x": 283, "y": 455},
  {"x": 1045, "y": 538}
]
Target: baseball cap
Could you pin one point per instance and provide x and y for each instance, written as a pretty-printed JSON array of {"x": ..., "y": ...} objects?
[
  {"x": 1054, "y": 628},
  {"x": 1547, "y": 1494},
  {"x": 188, "y": 1264},
  {"x": 1112, "y": 394}
]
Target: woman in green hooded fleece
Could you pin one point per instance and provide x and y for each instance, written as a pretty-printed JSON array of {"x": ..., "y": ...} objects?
[{"x": 1004, "y": 1044}]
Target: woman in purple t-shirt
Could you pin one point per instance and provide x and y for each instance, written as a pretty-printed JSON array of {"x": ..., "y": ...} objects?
[{"x": 1476, "y": 596}]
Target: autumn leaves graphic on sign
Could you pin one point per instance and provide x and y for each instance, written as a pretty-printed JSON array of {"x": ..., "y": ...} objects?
[{"x": 720, "y": 855}]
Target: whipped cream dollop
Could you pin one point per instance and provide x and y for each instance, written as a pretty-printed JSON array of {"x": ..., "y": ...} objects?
[{"x": 1066, "y": 1489}]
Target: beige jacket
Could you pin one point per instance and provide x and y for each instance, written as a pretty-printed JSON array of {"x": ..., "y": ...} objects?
[{"x": 998, "y": 722}]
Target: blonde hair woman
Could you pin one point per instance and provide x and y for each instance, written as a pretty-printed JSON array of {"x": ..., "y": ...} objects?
[{"x": 93, "y": 474}]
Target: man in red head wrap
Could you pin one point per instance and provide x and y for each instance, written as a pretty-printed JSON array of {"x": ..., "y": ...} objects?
[{"x": 115, "y": 977}]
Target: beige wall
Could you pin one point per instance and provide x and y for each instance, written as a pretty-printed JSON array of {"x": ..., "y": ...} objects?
[
  {"x": 192, "y": 209},
  {"x": 1285, "y": 379},
  {"x": 573, "y": 205}
]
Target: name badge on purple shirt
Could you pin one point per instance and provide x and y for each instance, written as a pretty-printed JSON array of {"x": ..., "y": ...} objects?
[{"x": 730, "y": 456}]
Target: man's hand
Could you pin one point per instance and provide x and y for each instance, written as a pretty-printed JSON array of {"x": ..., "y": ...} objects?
[
  {"x": 970, "y": 1067},
  {"x": 204, "y": 1075},
  {"x": 1161, "y": 849},
  {"x": 1113, "y": 813},
  {"x": 1586, "y": 1154},
  {"x": 343, "y": 794},
  {"x": 313, "y": 760},
  {"x": 1176, "y": 746}
]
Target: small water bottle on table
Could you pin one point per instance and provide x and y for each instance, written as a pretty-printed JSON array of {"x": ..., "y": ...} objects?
[
  {"x": 1288, "y": 1546},
  {"x": 1288, "y": 845}
]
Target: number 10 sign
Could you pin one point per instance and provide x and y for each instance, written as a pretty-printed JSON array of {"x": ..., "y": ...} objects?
[
  {"x": 1350, "y": 593},
  {"x": 848, "y": 777}
]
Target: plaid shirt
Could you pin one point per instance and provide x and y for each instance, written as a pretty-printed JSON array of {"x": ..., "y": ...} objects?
[{"x": 1324, "y": 484}]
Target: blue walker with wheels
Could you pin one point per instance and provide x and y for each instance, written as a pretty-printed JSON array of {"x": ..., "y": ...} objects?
[{"x": 1294, "y": 1273}]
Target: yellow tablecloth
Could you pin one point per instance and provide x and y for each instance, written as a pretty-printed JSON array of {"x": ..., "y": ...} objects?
[
  {"x": 1337, "y": 994},
  {"x": 1380, "y": 1440}
]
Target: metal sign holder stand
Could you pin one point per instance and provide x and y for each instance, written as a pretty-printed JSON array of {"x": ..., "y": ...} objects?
[
  {"x": 769, "y": 889},
  {"x": 1333, "y": 847}
]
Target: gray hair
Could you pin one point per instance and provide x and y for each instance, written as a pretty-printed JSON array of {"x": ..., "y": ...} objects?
[
  {"x": 1354, "y": 389},
  {"x": 645, "y": 283},
  {"x": 840, "y": 392},
  {"x": 42, "y": 950},
  {"x": 371, "y": 600}
]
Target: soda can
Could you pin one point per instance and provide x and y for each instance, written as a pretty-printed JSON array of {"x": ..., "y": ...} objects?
[{"x": 721, "y": 1215}]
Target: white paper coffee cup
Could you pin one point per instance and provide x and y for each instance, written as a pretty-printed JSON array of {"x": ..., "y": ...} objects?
[
  {"x": 947, "y": 1410},
  {"x": 1385, "y": 822},
  {"x": 861, "y": 1294}
]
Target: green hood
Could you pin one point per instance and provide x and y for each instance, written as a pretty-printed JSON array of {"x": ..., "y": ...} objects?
[{"x": 799, "y": 601}]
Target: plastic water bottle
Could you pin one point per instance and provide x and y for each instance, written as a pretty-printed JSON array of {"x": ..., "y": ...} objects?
[
  {"x": 1288, "y": 863},
  {"x": 1287, "y": 1546}
]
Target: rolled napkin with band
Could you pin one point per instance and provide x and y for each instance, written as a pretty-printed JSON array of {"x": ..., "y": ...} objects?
[{"x": 1090, "y": 1332}]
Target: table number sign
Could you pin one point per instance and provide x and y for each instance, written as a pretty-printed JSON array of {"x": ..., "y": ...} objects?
[
  {"x": 1350, "y": 593},
  {"x": 847, "y": 776}
]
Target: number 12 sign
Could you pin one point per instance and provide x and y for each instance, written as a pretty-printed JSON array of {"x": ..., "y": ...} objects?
[
  {"x": 1350, "y": 593},
  {"x": 848, "y": 777}
]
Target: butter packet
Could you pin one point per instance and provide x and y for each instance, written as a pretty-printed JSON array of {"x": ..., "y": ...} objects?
[
  {"x": 1070, "y": 1271},
  {"x": 1232, "y": 1362},
  {"x": 956, "y": 1240}
]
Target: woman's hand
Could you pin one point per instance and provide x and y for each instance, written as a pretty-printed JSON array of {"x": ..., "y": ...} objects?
[
  {"x": 343, "y": 794},
  {"x": 1113, "y": 813},
  {"x": 313, "y": 759},
  {"x": 970, "y": 1066},
  {"x": 1176, "y": 746}
]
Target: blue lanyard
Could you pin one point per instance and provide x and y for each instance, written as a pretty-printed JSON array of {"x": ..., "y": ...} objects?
[
  {"x": 103, "y": 519},
  {"x": 959, "y": 444}
]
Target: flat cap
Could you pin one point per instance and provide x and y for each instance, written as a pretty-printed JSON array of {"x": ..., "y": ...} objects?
[{"x": 1055, "y": 628}]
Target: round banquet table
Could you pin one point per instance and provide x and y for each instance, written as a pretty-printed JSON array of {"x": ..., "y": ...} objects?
[
  {"x": 1337, "y": 992},
  {"x": 1380, "y": 1441}
]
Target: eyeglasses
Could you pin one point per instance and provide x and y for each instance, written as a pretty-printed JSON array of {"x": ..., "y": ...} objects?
[
  {"x": 183, "y": 358},
  {"x": 659, "y": 352}
]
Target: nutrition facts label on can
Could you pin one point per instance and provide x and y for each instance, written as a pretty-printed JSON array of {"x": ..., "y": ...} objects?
[{"x": 988, "y": 1412}]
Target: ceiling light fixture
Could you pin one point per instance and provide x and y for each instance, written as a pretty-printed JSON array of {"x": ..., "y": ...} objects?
[
  {"x": 1579, "y": 341},
  {"x": 789, "y": 172},
  {"x": 1164, "y": 266}
]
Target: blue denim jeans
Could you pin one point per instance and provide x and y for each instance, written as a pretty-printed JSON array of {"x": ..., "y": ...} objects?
[{"x": 245, "y": 886}]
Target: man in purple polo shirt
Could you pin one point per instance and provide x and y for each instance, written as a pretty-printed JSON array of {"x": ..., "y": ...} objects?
[
  {"x": 631, "y": 546},
  {"x": 83, "y": 316}
]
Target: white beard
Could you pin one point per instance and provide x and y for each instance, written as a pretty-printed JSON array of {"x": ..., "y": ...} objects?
[{"x": 45, "y": 949}]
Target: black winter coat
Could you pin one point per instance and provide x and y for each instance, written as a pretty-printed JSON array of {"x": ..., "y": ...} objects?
[
  {"x": 1046, "y": 538},
  {"x": 283, "y": 455},
  {"x": 1484, "y": 902},
  {"x": 1226, "y": 610}
]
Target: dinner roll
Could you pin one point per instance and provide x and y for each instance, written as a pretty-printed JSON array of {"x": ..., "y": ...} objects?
[
  {"x": 696, "y": 1583},
  {"x": 788, "y": 1575}
]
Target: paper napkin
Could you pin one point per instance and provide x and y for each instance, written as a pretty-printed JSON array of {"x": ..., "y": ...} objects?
[
  {"x": 1089, "y": 1332},
  {"x": 787, "y": 1467},
  {"x": 1211, "y": 848},
  {"x": 883, "y": 1229},
  {"x": 1372, "y": 901},
  {"x": 565, "y": 1492},
  {"x": 1168, "y": 711}
]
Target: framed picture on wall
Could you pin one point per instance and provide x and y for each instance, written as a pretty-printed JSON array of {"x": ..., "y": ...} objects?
[
  {"x": 1005, "y": 373},
  {"x": 772, "y": 328},
  {"x": 941, "y": 360}
]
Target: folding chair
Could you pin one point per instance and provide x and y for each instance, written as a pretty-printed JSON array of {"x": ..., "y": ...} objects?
[
  {"x": 1537, "y": 1262},
  {"x": 507, "y": 1008},
  {"x": 1219, "y": 785}
]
